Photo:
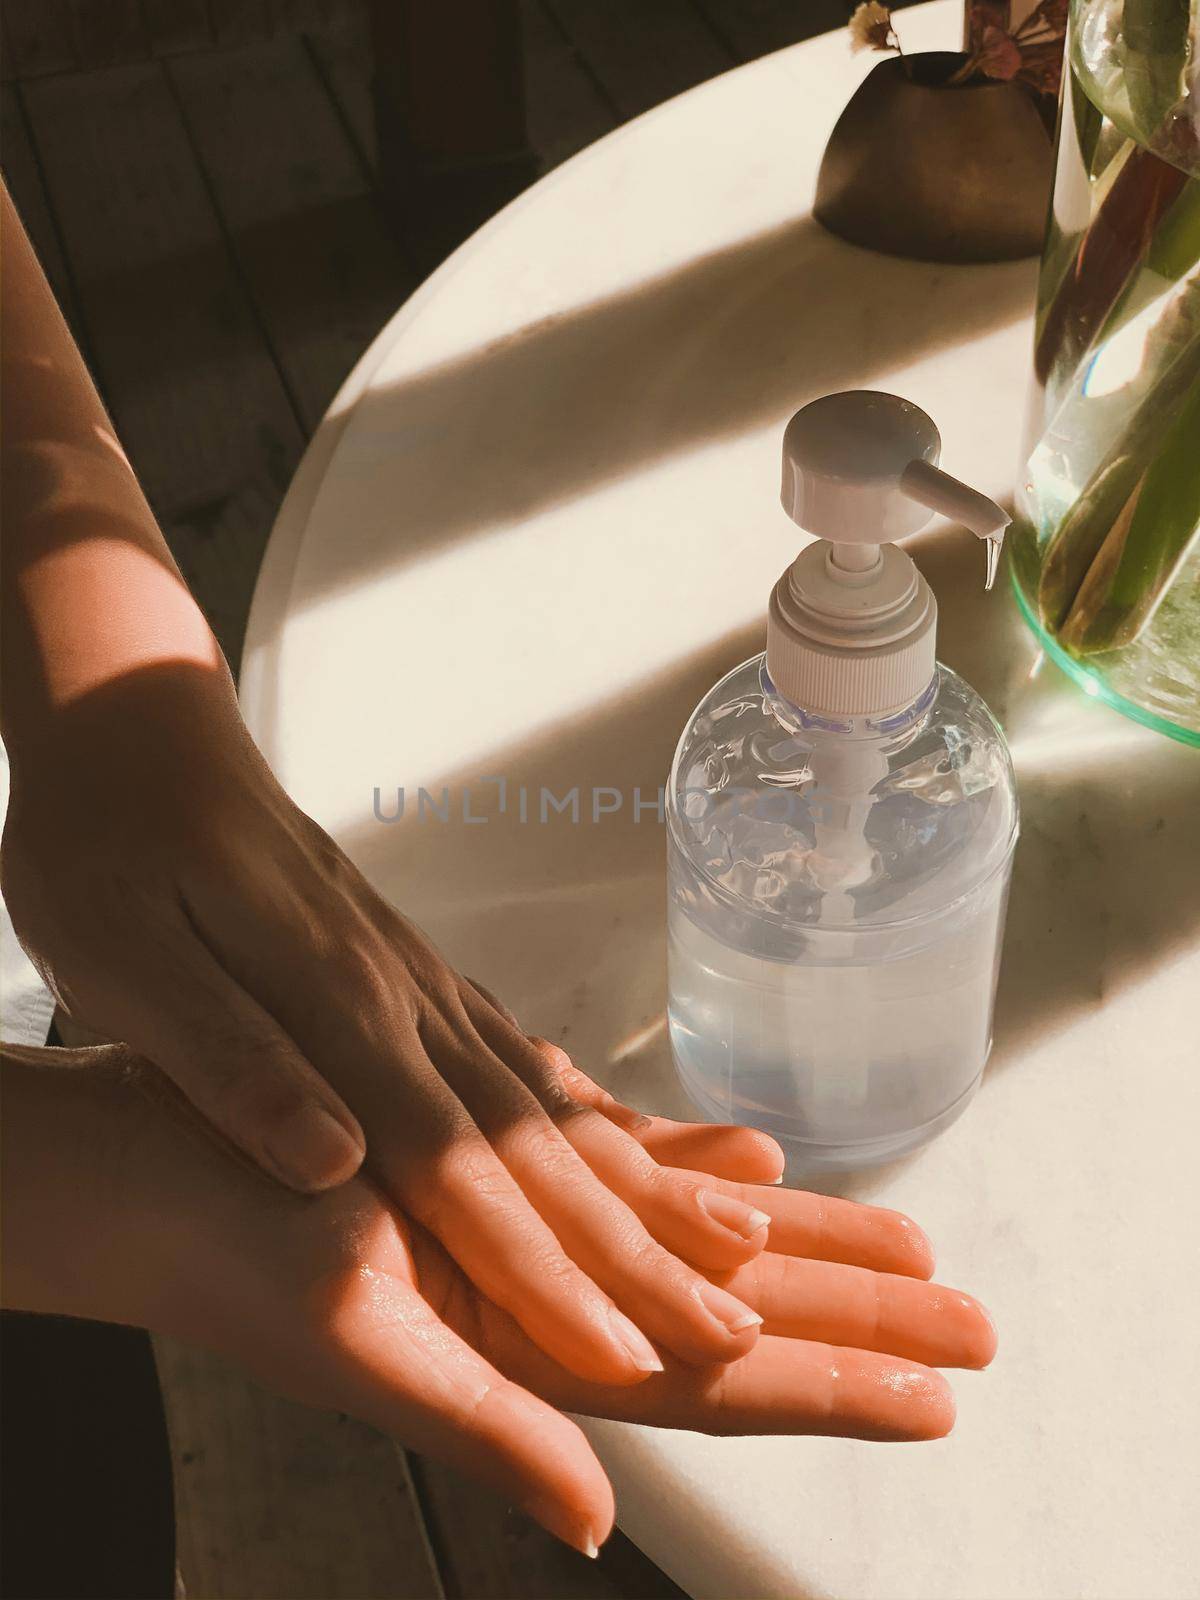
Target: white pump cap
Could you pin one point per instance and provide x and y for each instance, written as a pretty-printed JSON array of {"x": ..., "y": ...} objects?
[{"x": 851, "y": 626}]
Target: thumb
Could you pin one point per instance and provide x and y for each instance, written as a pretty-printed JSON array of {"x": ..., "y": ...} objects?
[{"x": 237, "y": 1066}]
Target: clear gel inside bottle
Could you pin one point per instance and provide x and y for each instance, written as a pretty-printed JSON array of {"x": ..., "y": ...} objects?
[{"x": 836, "y": 900}]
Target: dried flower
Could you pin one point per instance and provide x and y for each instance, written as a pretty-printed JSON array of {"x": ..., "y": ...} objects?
[
  {"x": 1030, "y": 54},
  {"x": 998, "y": 55},
  {"x": 1041, "y": 66},
  {"x": 987, "y": 13},
  {"x": 871, "y": 28},
  {"x": 1049, "y": 20}
]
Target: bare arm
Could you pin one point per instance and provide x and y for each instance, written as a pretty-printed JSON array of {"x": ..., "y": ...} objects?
[
  {"x": 88, "y": 589},
  {"x": 177, "y": 900}
]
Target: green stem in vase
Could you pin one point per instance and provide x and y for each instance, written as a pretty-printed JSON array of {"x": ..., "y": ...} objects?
[
  {"x": 1145, "y": 547},
  {"x": 1105, "y": 519},
  {"x": 1114, "y": 243},
  {"x": 1173, "y": 254},
  {"x": 1156, "y": 40},
  {"x": 1175, "y": 248}
]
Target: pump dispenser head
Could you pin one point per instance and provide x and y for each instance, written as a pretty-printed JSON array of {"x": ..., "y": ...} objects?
[{"x": 851, "y": 626}]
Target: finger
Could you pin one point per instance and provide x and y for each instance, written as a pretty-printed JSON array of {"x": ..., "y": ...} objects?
[
  {"x": 745, "y": 1155},
  {"x": 878, "y": 1311},
  {"x": 802, "y": 1224},
  {"x": 826, "y": 1228},
  {"x": 428, "y": 1155},
  {"x": 683, "y": 1211},
  {"x": 407, "y": 1373},
  {"x": 237, "y": 1066},
  {"x": 521, "y": 1112},
  {"x": 795, "y": 1387},
  {"x": 442, "y": 1170},
  {"x": 495, "y": 1002},
  {"x": 781, "y": 1386}
]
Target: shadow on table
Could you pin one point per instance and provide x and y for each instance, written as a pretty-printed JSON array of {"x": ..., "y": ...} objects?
[
  {"x": 1103, "y": 890},
  {"x": 711, "y": 349}
]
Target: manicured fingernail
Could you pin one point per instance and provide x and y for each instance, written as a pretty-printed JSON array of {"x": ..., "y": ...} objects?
[
  {"x": 733, "y": 1316},
  {"x": 635, "y": 1343},
  {"x": 311, "y": 1150},
  {"x": 590, "y": 1548},
  {"x": 732, "y": 1214}
]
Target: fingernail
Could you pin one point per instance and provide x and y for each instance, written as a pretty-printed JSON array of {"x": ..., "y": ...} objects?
[
  {"x": 979, "y": 1336},
  {"x": 626, "y": 1117},
  {"x": 916, "y": 1247},
  {"x": 732, "y": 1214},
  {"x": 311, "y": 1150},
  {"x": 733, "y": 1316},
  {"x": 635, "y": 1343},
  {"x": 562, "y": 1525}
]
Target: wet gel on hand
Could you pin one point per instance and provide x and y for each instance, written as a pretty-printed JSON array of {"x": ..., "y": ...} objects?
[{"x": 841, "y": 821}]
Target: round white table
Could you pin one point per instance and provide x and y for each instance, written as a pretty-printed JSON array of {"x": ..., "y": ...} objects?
[{"x": 537, "y": 523}]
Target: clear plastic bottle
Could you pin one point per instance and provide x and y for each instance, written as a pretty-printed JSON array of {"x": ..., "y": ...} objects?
[{"x": 838, "y": 873}]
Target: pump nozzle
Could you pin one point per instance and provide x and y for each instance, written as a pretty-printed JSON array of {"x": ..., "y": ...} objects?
[
  {"x": 929, "y": 486},
  {"x": 850, "y": 631},
  {"x": 855, "y": 466}
]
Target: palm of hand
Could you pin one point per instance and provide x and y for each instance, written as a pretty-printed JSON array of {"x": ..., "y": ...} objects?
[{"x": 851, "y": 1332}]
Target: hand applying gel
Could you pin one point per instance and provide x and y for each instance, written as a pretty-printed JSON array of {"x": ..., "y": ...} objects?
[
  {"x": 447, "y": 1229},
  {"x": 120, "y": 1205}
]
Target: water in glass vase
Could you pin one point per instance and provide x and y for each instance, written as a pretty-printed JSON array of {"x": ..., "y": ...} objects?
[{"x": 1106, "y": 551}]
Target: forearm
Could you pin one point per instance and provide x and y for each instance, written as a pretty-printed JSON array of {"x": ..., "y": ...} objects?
[{"x": 89, "y": 593}]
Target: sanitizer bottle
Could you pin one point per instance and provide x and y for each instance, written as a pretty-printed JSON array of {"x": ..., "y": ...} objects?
[{"x": 841, "y": 821}]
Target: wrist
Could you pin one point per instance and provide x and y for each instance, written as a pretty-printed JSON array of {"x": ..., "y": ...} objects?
[
  {"x": 159, "y": 723},
  {"x": 99, "y": 631},
  {"x": 69, "y": 1119}
]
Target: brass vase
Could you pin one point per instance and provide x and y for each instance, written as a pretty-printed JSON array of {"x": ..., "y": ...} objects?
[{"x": 921, "y": 168}]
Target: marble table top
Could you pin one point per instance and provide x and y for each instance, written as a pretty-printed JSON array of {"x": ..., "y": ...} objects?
[{"x": 537, "y": 523}]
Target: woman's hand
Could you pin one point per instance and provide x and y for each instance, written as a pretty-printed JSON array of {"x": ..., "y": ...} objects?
[
  {"x": 178, "y": 900},
  {"x": 342, "y": 1301}
]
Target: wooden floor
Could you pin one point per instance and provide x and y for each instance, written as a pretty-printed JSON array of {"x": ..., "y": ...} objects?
[{"x": 208, "y": 218}]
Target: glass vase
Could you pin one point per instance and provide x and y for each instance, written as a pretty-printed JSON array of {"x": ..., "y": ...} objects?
[{"x": 1105, "y": 551}]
